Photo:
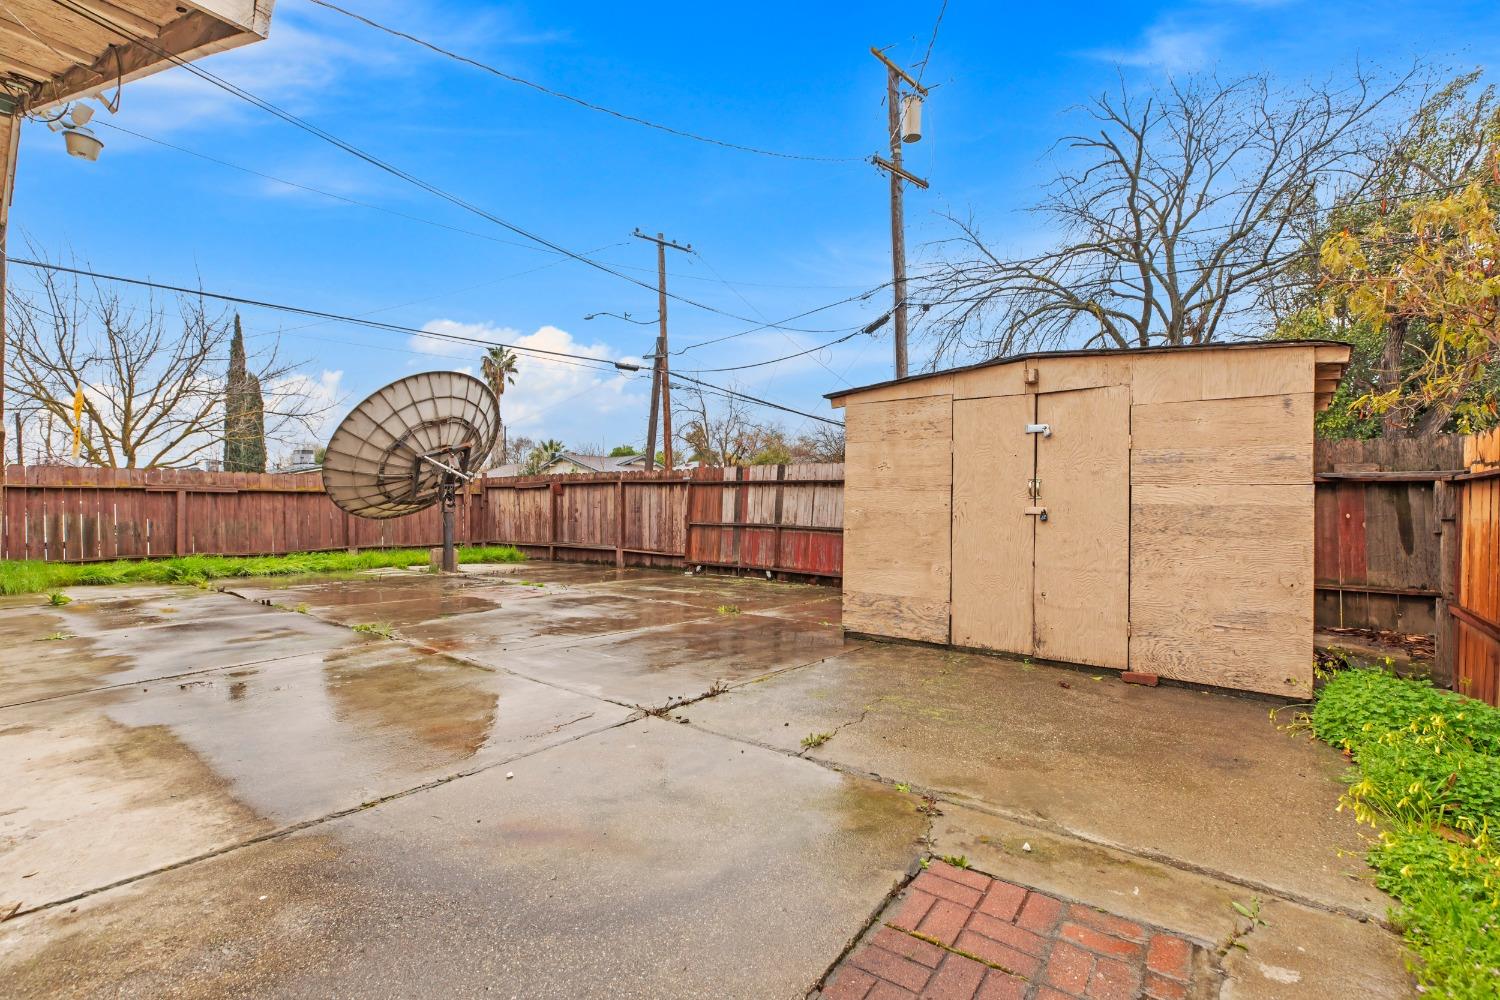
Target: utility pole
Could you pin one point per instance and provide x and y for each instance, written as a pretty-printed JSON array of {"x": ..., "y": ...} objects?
[
  {"x": 660, "y": 386},
  {"x": 904, "y": 118}
]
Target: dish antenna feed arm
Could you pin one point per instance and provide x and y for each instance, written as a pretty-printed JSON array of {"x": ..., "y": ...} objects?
[{"x": 411, "y": 446}]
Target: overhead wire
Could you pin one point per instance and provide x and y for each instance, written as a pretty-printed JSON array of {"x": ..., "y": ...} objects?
[
  {"x": 930, "y": 42},
  {"x": 590, "y": 105},
  {"x": 395, "y": 171},
  {"x": 563, "y": 357}
]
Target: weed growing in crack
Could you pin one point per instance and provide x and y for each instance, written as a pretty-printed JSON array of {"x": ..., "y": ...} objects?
[
  {"x": 728, "y": 609},
  {"x": 929, "y": 806},
  {"x": 956, "y": 860},
  {"x": 717, "y": 688},
  {"x": 815, "y": 740},
  {"x": 381, "y": 629},
  {"x": 54, "y": 637},
  {"x": 903, "y": 787},
  {"x": 1252, "y": 919}
]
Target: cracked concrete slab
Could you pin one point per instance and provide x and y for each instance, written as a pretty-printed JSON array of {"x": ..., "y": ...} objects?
[
  {"x": 360, "y": 840},
  {"x": 1169, "y": 772},
  {"x": 109, "y": 636},
  {"x": 181, "y": 767},
  {"x": 648, "y": 861}
]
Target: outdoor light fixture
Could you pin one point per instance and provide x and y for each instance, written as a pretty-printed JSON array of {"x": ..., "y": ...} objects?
[{"x": 82, "y": 142}]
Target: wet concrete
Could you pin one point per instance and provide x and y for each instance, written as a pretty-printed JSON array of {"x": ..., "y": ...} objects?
[
  {"x": 294, "y": 808},
  {"x": 124, "y": 635},
  {"x": 1168, "y": 772},
  {"x": 181, "y": 767},
  {"x": 648, "y": 861}
]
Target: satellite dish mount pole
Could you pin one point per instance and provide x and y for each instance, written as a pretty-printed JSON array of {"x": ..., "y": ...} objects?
[{"x": 448, "y": 498}]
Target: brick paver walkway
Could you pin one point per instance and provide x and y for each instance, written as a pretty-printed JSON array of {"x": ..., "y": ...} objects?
[{"x": 955, "y": 934}]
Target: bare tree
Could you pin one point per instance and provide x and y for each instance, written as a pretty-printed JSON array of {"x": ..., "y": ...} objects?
[
  {"x": 151, "y": 376},
  {"x": 824, "y": 443},
  {"x": 1178, "y": 213},
  {"x": 720, "y": 432}
]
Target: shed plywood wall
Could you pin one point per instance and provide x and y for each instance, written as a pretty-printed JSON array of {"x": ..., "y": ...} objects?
[
  {"x": 1221, "y": 534},
  {"x": 1221, "y": 574},
  {"x": 898, "y": 465}
]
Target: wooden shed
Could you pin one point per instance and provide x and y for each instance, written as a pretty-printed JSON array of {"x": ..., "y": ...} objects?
[{"x": 1147, "y": 510}]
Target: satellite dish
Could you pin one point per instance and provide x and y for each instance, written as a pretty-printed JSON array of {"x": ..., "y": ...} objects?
[{"x": 409, "y": 446}]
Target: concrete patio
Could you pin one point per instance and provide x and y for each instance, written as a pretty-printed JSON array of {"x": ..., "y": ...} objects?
[{"x": 559, "y": 780}]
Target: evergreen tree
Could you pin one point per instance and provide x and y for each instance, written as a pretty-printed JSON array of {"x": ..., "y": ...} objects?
[{"x": 244, "y": 412}]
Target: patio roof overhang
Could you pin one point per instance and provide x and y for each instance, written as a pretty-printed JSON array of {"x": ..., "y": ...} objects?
[{"x": 55, "y": 51}]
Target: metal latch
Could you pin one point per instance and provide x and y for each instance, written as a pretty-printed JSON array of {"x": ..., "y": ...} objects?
[
  {"x": 1045, "y": 430},
  {"x": 1040, "y": 512}
]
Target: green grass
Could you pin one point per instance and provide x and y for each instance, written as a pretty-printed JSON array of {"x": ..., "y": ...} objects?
[
  {"x": 1427, "y": 774},
  {"x": 35, "y": 577}
]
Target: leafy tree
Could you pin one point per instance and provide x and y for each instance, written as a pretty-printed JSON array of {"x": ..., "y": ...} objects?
[
  {"x": 1407, "y": 272},
  {"x": 623, "y": 451},
  {"x": 1427, "y": 275},
  {"x": 543, "y": 453}
]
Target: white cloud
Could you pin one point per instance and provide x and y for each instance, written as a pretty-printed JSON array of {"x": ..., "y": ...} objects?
[
  {"x": 321, "y": 397},
  {"x": 1172, "y": 49},
  {"x": 566, "y": 398}
]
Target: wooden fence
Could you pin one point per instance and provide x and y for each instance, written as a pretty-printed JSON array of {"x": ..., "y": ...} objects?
[
  {"x": 1407, "y": 539},
  {"x": 782, "y": 519}
]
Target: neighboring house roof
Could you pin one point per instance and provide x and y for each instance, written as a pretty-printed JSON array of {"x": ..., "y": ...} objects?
[
  {"x": 597, "y": 463},
  {"x": 569, "y": 461}
]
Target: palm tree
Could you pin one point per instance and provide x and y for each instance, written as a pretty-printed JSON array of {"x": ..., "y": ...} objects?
[
  {"x": 541, "y": 455},
  {"x": 499, "y": 368}
]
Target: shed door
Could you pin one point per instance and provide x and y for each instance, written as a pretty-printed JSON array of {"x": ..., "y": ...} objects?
[
  {"x": 1082, "y": 595},
  {"x": 1056, "y": 588},
  {"x": 993, "y": 458}
]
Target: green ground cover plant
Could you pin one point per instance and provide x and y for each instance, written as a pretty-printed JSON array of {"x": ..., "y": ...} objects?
[
  {"x": 35, "y": 577},
  {"x": 1427, "y": 775}
]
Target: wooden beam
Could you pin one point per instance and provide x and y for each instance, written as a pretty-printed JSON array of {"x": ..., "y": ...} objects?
[
  {"x": 25, "y": 69},
  {"x": 59, "y": 47},
  {"x": 120, "y": 17}
]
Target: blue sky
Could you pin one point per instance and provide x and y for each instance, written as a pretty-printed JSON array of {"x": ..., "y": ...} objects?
[{"x": 774, "y": 236}]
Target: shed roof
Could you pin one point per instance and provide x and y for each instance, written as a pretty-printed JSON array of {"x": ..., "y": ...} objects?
[{"x": 1325, "y": 368}]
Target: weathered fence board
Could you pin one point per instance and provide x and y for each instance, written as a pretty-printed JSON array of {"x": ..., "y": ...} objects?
[
  {"x": 1476, "y": 611},
  {"x": 84, "y": 515}
]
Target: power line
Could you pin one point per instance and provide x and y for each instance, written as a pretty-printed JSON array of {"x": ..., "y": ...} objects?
[
  {"x": 380, "y": 164},
  {"x": 772, "y": 361},
  {"x": 303, "y": 311},
  {"x": 778, "y": 326},
  {"x": 635, "y": 119},
  {"x": 786, "y": 336},
  {"x": 753, "y": 399},
  {"x": 562, "y": 357},
  {"x": 189, "y": 151},
  {"x": 930, "y": 42}
]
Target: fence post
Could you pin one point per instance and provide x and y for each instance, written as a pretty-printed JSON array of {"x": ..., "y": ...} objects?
[
  {"x": 619, "y": 522},
  {"x": 179, "y": 515},
  {"x": 1445, "y": 497},
  {"x": 688, "y": 476},
  {"x": 554, "y": 491}
]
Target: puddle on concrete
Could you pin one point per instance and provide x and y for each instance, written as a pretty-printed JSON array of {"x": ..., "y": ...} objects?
[{"x": 438, "y": 706}]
